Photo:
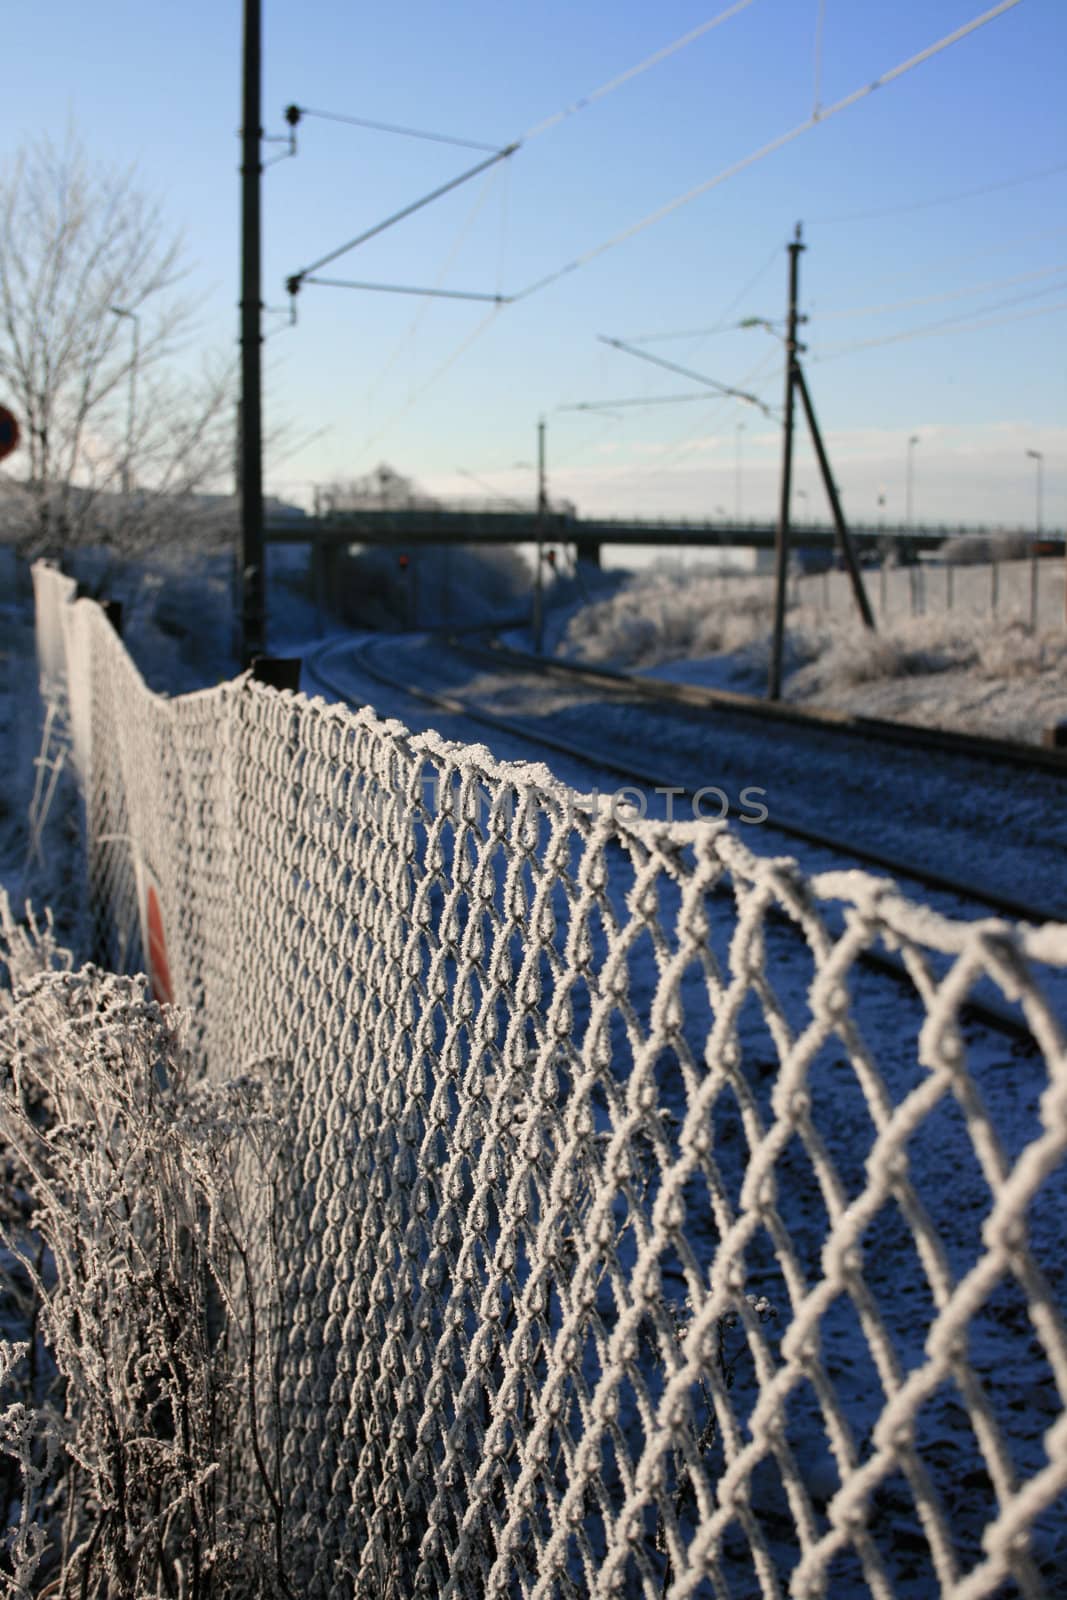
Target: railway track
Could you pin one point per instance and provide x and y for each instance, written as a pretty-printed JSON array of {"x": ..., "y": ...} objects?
[
  {"x": 366, "y": 654},
  {"x": 843, "y": 724}
]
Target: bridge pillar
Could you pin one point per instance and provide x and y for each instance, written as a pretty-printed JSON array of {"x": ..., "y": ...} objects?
[
  {"x": 590, "y": 553},
  {"x": 324, "y": 577}
]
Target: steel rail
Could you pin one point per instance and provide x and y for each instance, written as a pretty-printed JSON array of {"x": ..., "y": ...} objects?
[{"x": 981, "y": 747}]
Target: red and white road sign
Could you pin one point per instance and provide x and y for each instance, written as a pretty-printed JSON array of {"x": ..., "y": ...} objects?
[
  {"x": 9, "y": 432},
  {"x": 153, "y": 933}
]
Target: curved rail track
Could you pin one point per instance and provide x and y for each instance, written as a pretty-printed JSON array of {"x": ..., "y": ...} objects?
[
  {"x": 366, "y": 651},
  {"x": 970, "y": 892},
  {"x": 845, "y": 724}
]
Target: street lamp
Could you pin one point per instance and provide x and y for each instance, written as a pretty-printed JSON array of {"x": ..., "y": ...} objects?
[
  {"x": 1036, "y": 455},
  {"x": 122, "y": 311},
  {"x": 912, "y": 442}
]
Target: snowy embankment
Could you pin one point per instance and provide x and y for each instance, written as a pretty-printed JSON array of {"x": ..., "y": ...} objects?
[
  {"x": 952, "y": 669},
  {"x": 177, "y": 620}
]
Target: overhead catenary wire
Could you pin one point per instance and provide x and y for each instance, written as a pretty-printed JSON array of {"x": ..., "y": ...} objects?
[
  {"x": 634, "y": 72},
  {"x": 820, "y": 20},
  {"x": 722, "y": 326},
  {"x": 941, "y": 200},
  {"x": 890, "y": 76},
  {"x": 502, "y": 153},
  {"x": 687, "y": 442},
  {"x": 438, "y": 372},
  {"x": 975, "y": 253},
  {"x": 932, "y": 299},
  {"x": 768, "y": 149},
  {"x": 946, "y": 324},
  {"x": 492, "y": 177}
]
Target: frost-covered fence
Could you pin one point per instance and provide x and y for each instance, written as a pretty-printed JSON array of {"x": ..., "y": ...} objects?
[{"x": 635, "y": 1236}]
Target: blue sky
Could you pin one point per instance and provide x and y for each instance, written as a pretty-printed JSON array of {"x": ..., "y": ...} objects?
[{"x": 422, "y": 384}]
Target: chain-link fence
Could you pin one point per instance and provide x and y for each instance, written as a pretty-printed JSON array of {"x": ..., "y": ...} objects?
[{"x": 638, "y": 1234}]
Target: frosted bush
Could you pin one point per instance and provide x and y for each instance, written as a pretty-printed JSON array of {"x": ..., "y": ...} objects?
[
  {"x": 658, "y": 617},
  {"x": 1014, "y": 652},
  {"x": 135, "y": 1244}
]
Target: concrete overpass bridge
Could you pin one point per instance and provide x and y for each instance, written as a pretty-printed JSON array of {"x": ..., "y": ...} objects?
[{"x": 410, "y": 526}]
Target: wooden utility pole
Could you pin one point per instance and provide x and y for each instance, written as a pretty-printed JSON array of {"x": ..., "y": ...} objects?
[
  {"x": 250, "y": 445},
  {"x": 781, "y": 542},
  {"x": 844, "y": 543}
]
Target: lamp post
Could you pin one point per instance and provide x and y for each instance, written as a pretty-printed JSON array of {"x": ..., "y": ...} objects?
[
  {"x": 127, "y": 471},
  {"x": 910, "y": 481},
  {"x": 1036, "y": 456}
]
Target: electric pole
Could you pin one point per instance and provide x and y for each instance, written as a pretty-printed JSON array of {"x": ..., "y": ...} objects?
[
  {"x": 250, "y": 444},
  {"x": 781, "y": 541},
  {"x": 542, "y": 505}
]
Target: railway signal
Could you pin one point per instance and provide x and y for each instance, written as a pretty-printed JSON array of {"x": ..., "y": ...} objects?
[{"x": 9, "y": 432}]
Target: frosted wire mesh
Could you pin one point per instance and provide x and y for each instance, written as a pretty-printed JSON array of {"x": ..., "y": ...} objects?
[{"x": 635, "y": 1236}]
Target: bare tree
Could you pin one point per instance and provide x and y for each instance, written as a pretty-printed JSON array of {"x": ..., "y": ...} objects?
[
  {"x": 383, "y": 488},
  {"x": 116, "y": 444}
]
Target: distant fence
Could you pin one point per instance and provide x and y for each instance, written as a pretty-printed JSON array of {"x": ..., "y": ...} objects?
[
  {"x": 636, "y": 1238},
  {"x": 1013, "y": 590}
]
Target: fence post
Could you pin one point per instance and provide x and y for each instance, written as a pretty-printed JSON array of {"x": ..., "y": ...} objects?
[
  {"x": 1033, "y": 588},
  {"x": 948, "y": 585},
  {"x": 277, "y": 672},
  {"x": 994, "y": 586}
]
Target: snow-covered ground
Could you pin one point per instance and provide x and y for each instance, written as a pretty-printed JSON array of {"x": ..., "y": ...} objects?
[{"x": 958, "y": 668}]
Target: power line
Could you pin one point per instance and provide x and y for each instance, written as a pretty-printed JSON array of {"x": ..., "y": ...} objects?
[
  {"x": 944, "y": 199},
  {"x": 721, "y": 177},
  {"x": 722, "y": 326},
  {"x": 457, "y": 244},
  {"x": 979, "y": 252},
  {"x": 294, "y": 282},
  {"x": 686, "y": 442},
  {"x": 945, "y": 325},
  {"x": 932, "y": 299},
  {"x": 438, "y": 372},
  {"x": 959, "y": 327},
  {"x": 819, "y": 22},
  {"x": 634, "y": 72},
  {"x": 768, "y": 149}
]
